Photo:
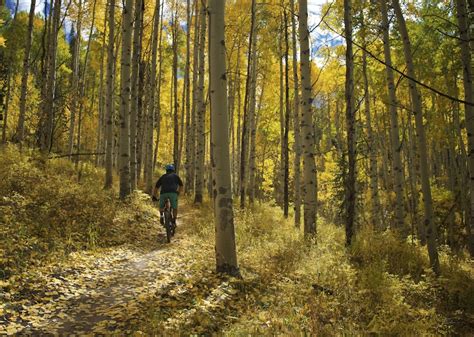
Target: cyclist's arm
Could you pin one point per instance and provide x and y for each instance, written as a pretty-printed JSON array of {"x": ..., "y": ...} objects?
[{"x": 156, "y": 188}]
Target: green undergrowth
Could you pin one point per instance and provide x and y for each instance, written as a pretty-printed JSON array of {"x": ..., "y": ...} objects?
[
  {"x": 46, "y": 212},
  {"x": 381, "y": 286}
]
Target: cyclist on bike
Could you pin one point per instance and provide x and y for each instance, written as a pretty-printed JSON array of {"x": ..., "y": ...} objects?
[{"x": 170, "y": 185}]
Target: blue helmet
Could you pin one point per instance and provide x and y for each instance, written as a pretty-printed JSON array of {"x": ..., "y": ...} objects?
[{"x": 169, "y": 167}]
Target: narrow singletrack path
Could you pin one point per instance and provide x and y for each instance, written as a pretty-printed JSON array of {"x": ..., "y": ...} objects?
[{"x": 103, "y": 292}]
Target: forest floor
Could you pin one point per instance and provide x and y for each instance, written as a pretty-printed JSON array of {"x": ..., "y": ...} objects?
[
  {"x": 169, "y": 289},
  {"x": 74, "y": 260}
]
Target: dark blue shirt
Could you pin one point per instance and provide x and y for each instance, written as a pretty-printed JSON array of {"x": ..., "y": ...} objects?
[{"x": 169, "y": 183}]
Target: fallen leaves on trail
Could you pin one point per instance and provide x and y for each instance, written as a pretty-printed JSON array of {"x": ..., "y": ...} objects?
[{"x": 94, "y": 293}]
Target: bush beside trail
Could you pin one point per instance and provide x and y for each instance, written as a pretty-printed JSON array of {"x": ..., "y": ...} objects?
[{"x": 46, "y": 213}]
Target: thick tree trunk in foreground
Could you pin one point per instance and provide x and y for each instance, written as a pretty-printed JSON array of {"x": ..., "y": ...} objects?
[
  {"x": 20, "y": 131},
  {"x": 469, "y": 110},
  {"x": 309, "y": 165},
  {"x": 431, "y": 231},
  {"x": 226, "y": 256},
  {"x": 393, "y": 104},
  {"x": 109, "y": 98},
  {"x": 125, "y": 88}
]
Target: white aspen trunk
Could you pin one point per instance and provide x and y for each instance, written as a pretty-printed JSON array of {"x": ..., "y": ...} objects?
[
  {"x": 238, "y": 142},
  {"x": 395, "y": 140},
  {"x": 226, "y": 256},
  {"x": 20, "y": 131},
  {"x": 252, "y": 119},
  {"x": 48, "y": 108},
  {"x": 137, "y": 46},
  {"x": 125, "y": 88},
  {"x": 174, "y": 33},
  {"x": 109, "y": 97},
  {"x": 100, "y": 148},
  {"x": 201, "y": 113},
  {"x": 350, "y": 185},
  {"x": 469, "y": 111},
  {"x": 309, "y": 165},
  {"x": 372, "y": 148},
  {"x": 286, "y": 152},
  {"x": 296, "y": 120},
  {"x": 151, "y": 106},
  {"x": 246, "y": 117},
  {"x": 431, "y": 231},
  {"x": 190, "y": 180},
  {"x": 187, "y": 92},
  {"x": 75, "y": 79}
]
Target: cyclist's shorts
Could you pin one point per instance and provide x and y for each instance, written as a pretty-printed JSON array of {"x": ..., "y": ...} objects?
[{"x": 173, "y": 198}]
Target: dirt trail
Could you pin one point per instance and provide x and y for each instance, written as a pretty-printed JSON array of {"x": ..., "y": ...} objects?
[{"x": 103, "y": 295}]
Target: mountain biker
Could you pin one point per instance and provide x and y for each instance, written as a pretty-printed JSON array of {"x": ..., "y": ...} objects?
[{"x": 170, "y": 185}]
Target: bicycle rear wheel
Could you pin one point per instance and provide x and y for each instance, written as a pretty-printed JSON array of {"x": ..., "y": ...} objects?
[{"x": 168, "y": 225}]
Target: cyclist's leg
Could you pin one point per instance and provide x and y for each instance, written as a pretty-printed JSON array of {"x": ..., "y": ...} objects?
[
  {"x": 162, "y": 207},
  {"x": 174, "y": 204}
]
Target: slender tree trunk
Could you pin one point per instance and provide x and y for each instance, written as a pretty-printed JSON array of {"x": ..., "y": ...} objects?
[
  {"x": 187, "y": 91},
  {"x": 101, "y": 118},
  {"x": 431, "y": 231},
  {"x": 137, "y": 46},
  {"x": 372, "y": 149},
  {"x": 469, "y": 111},
  {"x": 20, "y": 131},
  {"x": 76, "y": 53},
  {"x": 125, "y": 88},
  {"x": 174, "y": 30},
  {"x": 286, "y": 158},
  {"x": 201, "y": 112},
  {"x": 309, "y": 165},
  {"x": 189, "y": 187},
  {"x": 151, "y": 107},
  {"x": 395, "y": 140},
  {"x": 226, "y": 256},
  {"x": 246, "y": 117},
  {"x": 350, "y": 122},
  {"x": 49, "y": 107},
  {"x": 238, "y": 131},
  {"x": 296, "y": 118},
  {"x": 109, "y": 97},
  {"x": 252, "y": 120},
  {"x": 7, "y": 106},
  {"x": 160, "y": 74}
]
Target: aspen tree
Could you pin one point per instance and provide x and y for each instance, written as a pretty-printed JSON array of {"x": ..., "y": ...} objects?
[
  {"x": 137, "y": 46},
  {"x": 309, "y": 165},
  {"x": 431, "y": 231},
  {"x": 296, "y": 122},
  {"x": 469, "y": 111},
  {"x": 247, "y": 112},
  {"x": 125, "y": 99},
  {"x": 151, "y": 106},
  {"x": 226, "y": 256},
  {"x": 25, "y": 73},
  {"x": 395, "y": 138},
  {"x": 201, "y": 112},
  {"x": 350, "y": 185},
  {"x": 109, "y": 97}
]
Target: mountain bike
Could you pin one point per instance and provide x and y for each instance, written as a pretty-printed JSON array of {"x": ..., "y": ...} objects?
[{"x": 168, "y": 222}]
